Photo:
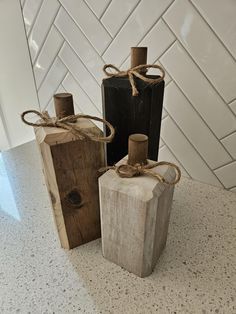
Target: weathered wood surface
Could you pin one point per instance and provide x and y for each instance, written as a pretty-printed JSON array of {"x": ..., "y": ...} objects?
[
  {"x": 71, "y": 173},
  {"x": 135, "y": 216}
]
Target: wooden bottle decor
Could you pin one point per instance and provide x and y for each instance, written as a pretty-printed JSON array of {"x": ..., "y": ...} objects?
[
  {"x": 140, "y": 113},
  {"x": 135, "y": 208},
  {"x": 71, "y": 171}
]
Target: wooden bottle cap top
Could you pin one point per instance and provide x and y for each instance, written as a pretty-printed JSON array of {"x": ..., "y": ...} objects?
[
  {"x": 138, "y": 149},
  {"x": 138, "y": 56},
  {"x": 63, "y": 104}
]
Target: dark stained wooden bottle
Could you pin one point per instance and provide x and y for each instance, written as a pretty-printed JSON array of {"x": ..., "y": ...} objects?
[{"x": 133, "y": 114}]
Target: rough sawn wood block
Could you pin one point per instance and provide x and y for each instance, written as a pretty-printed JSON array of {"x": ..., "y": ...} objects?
[{"x": 135, "y": 216}]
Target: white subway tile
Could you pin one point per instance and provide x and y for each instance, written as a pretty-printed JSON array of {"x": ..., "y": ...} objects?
[
  {"x": 227, "y": 175},
  {"x": 50, "y": 107},
  {"x": 220, "y": 15},
  {"x": 90, "y": 25},
  {"x": 161, "y": 143},
  {"x": 41, "y": 26},
  {"x": 166, "y": 155},
  {"x": 229, "y": 143},
  {"x": 51, "y": 82},
  {"x": 116, "y": 14},
  {"x": 155, "y": 72},
  {"x": 98, "y": 7},
  {"x": 80, "y": 97},
  {"x": 50, "y": 49},
  {"x": 164, "y": 113},
  {"x": 199, "y": 91},
  {"x": 81, "y": 74},
  {"x": 158, "y": 39},
  {"x": 186, "y": 153},
  {"x": 194, "y": 127},
  {"x": 233, "y": 106},
  {"x": 30, "y": 11},
  {"x": 80, "y": 44},
  {"x": 137, "y": 25},
  {"x": 209, "y": 53}
]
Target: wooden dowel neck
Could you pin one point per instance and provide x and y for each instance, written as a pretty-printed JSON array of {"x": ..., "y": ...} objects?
[
  {"x": 63, "y": 103},
  {"x": 138, "y": 149},
  {"x": 138, "y": 57}
]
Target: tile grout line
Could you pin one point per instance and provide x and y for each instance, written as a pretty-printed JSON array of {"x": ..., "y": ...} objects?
[
  {"x": 191, "y": 102},
  {"x": 119, "y": 29},
  {"x": 212, "y": 29},
  {"x": 188, "y": 53},
  {"x": 31, "y": 62},
  {"x": 22, "y": 4},
  {"x": 46, "y": 36},
  {"x": 76, "y": 25},
  {"x": 55, "y": 90},
  {"x": 81, "y": 28},
  {"x": 79, "y": 84},
  {"x": 181, "y": 164},
  {"x": 149, "y": 29},
  {"x": 49, "y": 69},
  {"x": 65, "y": 41},
  {"x": 114, "y": 37},
  {"x": 50, "y": 66},
  {"x": 224, "y": 137},
  {"x": 104, "y": 11},
  {"x": 204, "y": 121},
  {"x": 34, "y": 20},
  {"x": 228, "y": 163},
  {"x": 230, "y": 103},
  {"x": 168, "y": 84},
  {"x": 86, "y": 4},
  {"x": 169, "y": 47},
  {"x": 197, "y": 152}
]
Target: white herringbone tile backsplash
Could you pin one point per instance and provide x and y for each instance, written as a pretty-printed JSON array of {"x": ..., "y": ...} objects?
[{"x": 71, "y": 40}]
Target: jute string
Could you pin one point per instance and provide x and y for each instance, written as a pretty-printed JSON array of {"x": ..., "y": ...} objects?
[
  {"x": 67, "y": 123},
  {"x": 128, "y": 171},
  {"x": 135, "y": 71}
]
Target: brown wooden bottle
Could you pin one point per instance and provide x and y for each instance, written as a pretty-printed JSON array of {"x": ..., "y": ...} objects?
[
  {"x": 133, "y": 114},
  {"x": 71, "y": 172}
]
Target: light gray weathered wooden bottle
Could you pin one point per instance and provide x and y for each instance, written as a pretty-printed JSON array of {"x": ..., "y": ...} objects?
[{"x": 135, "y": 212}]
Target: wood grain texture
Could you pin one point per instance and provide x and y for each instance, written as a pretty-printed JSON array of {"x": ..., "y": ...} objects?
[
  {"x": 138, "y": 56},
  {"x": 137, "y": 149},
  {"x": 135, "y": 216},
  {"x": 71, "y": 172},
  {"x": 132, "y": 114}
]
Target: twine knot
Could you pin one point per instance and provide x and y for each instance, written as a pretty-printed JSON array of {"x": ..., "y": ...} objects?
[
  {"x": 67, "y": 123},
  {"x": 129, "y": 171},
  {"x": 135, "y": 71}
]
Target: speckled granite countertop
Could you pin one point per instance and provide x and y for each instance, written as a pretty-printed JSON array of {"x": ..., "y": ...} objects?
[{"x": 196, "y": 273}]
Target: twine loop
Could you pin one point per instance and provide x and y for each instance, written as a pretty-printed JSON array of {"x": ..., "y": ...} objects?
[
  {"x": 128, "y": 171},
  {"x": 135, "y": 71},
  {"x": 67, "y": 123}
]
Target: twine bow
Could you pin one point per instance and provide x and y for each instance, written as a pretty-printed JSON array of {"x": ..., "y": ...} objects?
[
  {"x": 67, "y": 123},
  {"x": 135, "y": 72},
  {"x": 128, "y": 171}
]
